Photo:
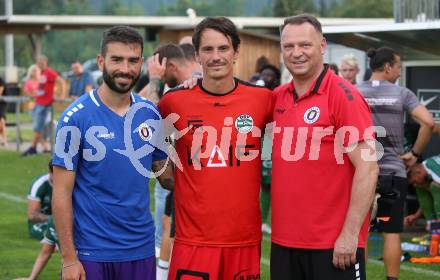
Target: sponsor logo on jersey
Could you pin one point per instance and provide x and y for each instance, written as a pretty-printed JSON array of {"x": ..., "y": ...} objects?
[
  {"x": 280, "y": 110},
  {"x": 244, "y": 123},
  {"x": 145, "y": 132},
  {"x": 110, "y": 135},
  {"x": 243, "y": 275},
  {"x": 312, "y": 115}
]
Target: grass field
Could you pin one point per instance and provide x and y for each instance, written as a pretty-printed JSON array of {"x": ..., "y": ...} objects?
[{"x": 18, "y": 251}]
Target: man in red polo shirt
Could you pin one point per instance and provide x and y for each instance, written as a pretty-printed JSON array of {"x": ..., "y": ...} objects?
[
  {"x": 216, "y": 194},
  {"x": 43, "y": 101},
  {"x": 324, "y": 167}
]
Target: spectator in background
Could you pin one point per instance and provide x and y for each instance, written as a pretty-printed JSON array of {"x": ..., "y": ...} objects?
[
  {"x": 40, "y": 204},
  {"x": 43, "y": 101},
  {"x": 80, "y": 82},
  {"x": 349, "y": 68},
  {"x": 30, "y": 88},
  {"x": 261, "y": 61},
  {"x": 270, "y": 77},
  {"x": 389, "y": 103},
  {"x": 425, "y": 177},
  {"x": 32, "y": 81},
  {"x": 3, "y": 105},
  {"x": 190, "y": 57}
]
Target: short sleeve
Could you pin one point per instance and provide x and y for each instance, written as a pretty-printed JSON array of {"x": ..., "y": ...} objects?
[
  {"x": 34, "y": 192},
  {"x": 163, "y": 107},
  {"x": 410, "y": 101},
  {"x": 68, "y": 141},
  {"x": 351, "y": 115}
]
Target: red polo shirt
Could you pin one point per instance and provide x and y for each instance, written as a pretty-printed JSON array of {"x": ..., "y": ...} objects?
[
  {"x": 46, "y": 87},
  {"x": 311, "y": 176}
]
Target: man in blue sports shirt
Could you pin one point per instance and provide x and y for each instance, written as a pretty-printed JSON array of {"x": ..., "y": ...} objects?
[{"x": 107, "y": 145}]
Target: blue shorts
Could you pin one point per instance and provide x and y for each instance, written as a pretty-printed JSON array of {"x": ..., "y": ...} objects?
[
  {"x": 144, "y": 269},
  {"x": 39, "y": 115}
]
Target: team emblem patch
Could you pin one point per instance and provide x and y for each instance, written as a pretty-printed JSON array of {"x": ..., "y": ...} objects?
[
  {"x": 145, "y": 132},
  {"x": 244, "y": 123},
  {"x": 311, "y": 115}
]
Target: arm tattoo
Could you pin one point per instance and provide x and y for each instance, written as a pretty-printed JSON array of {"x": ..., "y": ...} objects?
[{"x": 153, "y": 90}]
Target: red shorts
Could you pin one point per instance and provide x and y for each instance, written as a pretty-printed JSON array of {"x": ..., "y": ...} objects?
[{"x": 189, "y": 262}]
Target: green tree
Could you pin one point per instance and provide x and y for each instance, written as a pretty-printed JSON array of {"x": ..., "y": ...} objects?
[
  {"x": 284, "y": 8},
  {"x": 116, "y": 8},
  {"x": 363, "y": 9},
  {"x": 232, "y": 8},
  {"x": 52, "y": 7}
]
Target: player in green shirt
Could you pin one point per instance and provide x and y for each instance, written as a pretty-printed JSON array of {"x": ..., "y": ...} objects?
[
  {"x": 40, "y": 204},
  {"x": 425, "y": 177}
]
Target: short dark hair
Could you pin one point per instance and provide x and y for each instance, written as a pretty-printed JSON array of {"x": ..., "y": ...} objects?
[
  {"x": 189, "y": 51},
  {"x": 220, "y": 24},
  {"x": 300, "y": 19},
  {"x": 381, "y": 56},
  {"x": 122, "y": 34},
  {"x": 170, "y": 51}
]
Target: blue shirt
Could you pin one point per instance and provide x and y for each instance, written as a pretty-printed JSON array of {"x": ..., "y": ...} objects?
[
  {"x": 110, "y": 155},
  {"x": 78, "y": 85}
]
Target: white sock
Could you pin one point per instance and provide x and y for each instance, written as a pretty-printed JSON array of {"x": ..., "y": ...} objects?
[
  {"x": 163, "y": 264},
  {"x": 162, "y": 270}
]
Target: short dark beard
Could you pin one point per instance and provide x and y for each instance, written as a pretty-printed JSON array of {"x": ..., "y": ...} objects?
[{"x": 110, "y": 81}]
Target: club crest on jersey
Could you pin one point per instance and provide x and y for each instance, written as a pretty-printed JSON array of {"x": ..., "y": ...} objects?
[
  {"x": 244, "y": 123},
  {"x": 145, "y": 132},
  {"x": 312, "y": 115}
]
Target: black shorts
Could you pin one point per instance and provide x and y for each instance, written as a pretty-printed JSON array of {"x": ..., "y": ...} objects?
[
  {"x": 169, "y": 211},
  {"x": 310, "y": 264},
  {"x": 390, "y": 205}
]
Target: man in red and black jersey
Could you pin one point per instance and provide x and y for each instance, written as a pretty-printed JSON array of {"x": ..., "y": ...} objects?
[
  {"x": 322, "y": 182},
  {"x": 218, "y": 220}
]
